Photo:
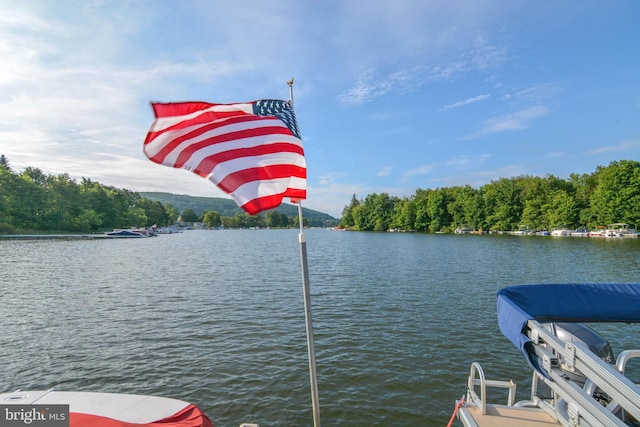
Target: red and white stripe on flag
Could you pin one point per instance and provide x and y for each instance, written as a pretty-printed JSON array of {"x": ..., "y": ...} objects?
[{"x": 252, "y": 152}]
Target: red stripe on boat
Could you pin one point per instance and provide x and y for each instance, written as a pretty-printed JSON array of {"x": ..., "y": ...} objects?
[{"x": 190, "y": 416}]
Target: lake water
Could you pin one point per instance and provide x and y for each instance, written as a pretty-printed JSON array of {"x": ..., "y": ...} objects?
[{"x": 217, "y": 318}]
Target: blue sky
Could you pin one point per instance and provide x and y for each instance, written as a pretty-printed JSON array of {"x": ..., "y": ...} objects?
[{"x": 390, "y": 96}]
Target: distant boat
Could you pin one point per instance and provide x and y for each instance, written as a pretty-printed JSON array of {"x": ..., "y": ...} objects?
[
  {"x": 463, "y": 230},
  {"x": 123, "y": 233},
  {"x": 561, "y": 232},
  {"x": 168, "y": 230},
  {"x": 620, "y": 229},
  {"x": 522, "y": 232},
  {"x": 580, "y": 232}
]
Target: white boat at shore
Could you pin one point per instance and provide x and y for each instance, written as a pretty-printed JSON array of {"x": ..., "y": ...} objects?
[
  {"x": 168, "y": 230},
  {"x": 621, "y": 229},
  {"x": 522, "y": 232},
  {"x": 561, "y": 232},
  {"x": 598, "y": 232},
  {"x": 573, "y": 383},
  {"x": 580, "y": 232}
]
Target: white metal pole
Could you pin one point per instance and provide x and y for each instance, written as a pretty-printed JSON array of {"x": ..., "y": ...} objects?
[{"x": 315, "y": 402}]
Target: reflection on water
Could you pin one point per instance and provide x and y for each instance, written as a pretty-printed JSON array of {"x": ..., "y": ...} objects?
[{"x": 217, "y": 318}]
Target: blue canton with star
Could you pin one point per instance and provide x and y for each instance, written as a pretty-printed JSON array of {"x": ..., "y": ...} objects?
[{"x": 281, "y": 109}]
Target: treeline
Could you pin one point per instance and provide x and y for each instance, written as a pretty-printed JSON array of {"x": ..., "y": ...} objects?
[
  {"x": 283, "y": 216},
  {"x": 271, "y": 219},
  {"x": 608, "y": 195},
  {"x": 32, "y": 201}
]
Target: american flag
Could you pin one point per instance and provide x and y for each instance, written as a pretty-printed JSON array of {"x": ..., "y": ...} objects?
[{"x": 252, "y": 150}]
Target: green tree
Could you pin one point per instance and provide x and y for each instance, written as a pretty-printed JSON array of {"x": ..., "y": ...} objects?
[
  {"x": 274, "y": 219},
  {"x": 136, "y": 217},
  {"x": 255, "y": 221},
  {"x": 29, "y": 201},
  {"x": 211, "y": 219},
  {"x": 503, "y": 204},
  {"x": 93, "y": 197},
  {"x": 284, "y": 221},
  {"x": 66, "y": 205},
  {"x": 563, "y": 210},
  {"x": 295, "y": 222},
  {"x": 227, "y": 221},
  {"x": 240, "y": 220},
  {"x": 616, "y": 197},
  {"x": 465, "y": 207},
  {"x": 7, "y": 196},
  {"x": 376, "y": 213},
  {"x": 533, "y": 198},
  {"x": 188, "y": 215},
  {"x": 88, "y": 220},
  {"x": 474, "y": 210},
  {"x": 583, "y": 187},
  {"x": 34, "y": 201},
  {"x": 347, "y": 220},
  {"x": 4, "y": 162},
  {"x": 437, "y": 202},
  {"x": 172, "y": 213},
  {"x": 358, "y": 217},
  {"x": 154, "y": 211},
  {"x": 423, "y": 219},
  {"x": 404, "y": 215},
  {"x": 111, "y": 204}
]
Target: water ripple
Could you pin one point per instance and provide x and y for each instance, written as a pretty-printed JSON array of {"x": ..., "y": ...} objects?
[{"x": 217, "y": 318}]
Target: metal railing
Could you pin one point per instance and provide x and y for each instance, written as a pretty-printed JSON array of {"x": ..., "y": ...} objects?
[
  {"x": 574, "y": 403},
  {"x": 481, "y": 401}
]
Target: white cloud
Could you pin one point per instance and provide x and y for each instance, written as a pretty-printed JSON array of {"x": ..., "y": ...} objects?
[
  {"x": 468, "y": 160},
  {"x": 366, "y": 88},
  {"x": 421, "y": 170},
  {"x": 479, "y": 55},
  {"x": 535, "y": 93},
  {"x": 516, "y": 121},
  {"x": 376, "y": 82},
  {"x": 625, "y": 146},
  {"x": 466, "y": 102}
]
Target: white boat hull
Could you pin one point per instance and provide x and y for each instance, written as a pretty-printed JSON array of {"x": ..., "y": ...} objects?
[{"x": 110, "y": 409}]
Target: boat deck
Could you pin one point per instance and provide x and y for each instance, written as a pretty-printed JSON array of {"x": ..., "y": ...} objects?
[{"x": 506, "y": 416}]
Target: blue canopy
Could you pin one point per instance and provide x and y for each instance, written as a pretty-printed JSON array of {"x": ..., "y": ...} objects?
[{"x": 608, "y": 302}]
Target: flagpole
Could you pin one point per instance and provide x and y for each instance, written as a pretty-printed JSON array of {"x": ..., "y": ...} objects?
[{"x": 307, "y": 305}]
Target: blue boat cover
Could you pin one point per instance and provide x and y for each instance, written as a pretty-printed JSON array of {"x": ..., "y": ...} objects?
[{"x": 608, "y": 302}]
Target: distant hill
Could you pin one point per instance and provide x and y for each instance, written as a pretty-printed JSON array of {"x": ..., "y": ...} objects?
[{"x": 227, "y": 207}]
